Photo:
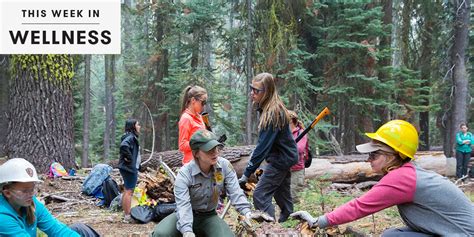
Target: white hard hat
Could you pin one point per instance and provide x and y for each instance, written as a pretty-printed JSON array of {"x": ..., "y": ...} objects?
[{"x": 18, "y": 170}]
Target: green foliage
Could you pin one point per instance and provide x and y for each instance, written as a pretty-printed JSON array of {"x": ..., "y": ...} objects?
[{"x": 322, "y": 53}]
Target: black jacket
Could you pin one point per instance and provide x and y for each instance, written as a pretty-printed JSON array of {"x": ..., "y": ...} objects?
[
  {"x": 129, "y": 149},
  {"x": 276, "y": 146}
]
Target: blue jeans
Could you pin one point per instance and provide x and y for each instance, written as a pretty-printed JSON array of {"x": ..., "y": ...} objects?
[
  {"x": 274, "y": 183},
  {"x": 462, "y": 159}
]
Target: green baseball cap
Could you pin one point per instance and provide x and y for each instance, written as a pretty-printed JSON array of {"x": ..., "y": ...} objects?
[{"x": 203, "y": 140}]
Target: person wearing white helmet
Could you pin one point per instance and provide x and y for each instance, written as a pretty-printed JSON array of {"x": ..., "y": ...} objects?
[
  {"x": 20, "y": 212},
  {"x": 428, "y": 203}
]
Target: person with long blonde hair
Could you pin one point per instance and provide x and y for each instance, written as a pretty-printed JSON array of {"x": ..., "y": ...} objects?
[{"x": 275, "y": 145}]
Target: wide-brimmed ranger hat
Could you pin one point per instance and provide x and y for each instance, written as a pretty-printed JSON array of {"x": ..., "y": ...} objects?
[{"x": 204, "y": 140}]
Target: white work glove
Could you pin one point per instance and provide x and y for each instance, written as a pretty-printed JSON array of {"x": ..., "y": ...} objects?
[
  {"x": 189, "y": 234},
  {"x": 259, "y": 216},
  {"x": 304, "y": 215},
  {"x": 243, "y": 180}
]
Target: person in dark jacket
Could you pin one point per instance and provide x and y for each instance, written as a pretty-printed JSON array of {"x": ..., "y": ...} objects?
[
  {"x": 129, "y": 163},
  {"x": 275, "y": 145}
]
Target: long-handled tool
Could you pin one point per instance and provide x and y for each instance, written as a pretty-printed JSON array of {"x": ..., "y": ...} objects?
[
  {"x": 205, "y": 119},
  {"x": 321, "y": 115}
]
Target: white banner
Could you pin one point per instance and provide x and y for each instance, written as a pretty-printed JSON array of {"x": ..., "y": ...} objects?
[{"x": 60, "y": 26}]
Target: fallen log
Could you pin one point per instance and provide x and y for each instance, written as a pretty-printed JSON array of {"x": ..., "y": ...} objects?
[{"x": 337, "y": 169}]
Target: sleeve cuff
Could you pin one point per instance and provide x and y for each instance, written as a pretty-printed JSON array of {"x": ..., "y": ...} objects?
[
  {"x": 323, "y": 221},
  {"x": 245, "y": 211},
  {"x": 186, "y": 229}
]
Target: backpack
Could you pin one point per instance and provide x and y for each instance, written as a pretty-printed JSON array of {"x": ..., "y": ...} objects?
[
  {"x": 99, "y": 173},
  {"x": 143, "y": 214},
  {"x": 309, "y": 158},
  {"x": 56, "y": 170},
  {"x": 110, "y": 190}
]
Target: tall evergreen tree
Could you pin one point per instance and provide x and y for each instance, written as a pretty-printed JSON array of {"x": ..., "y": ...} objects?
[{"x": 41, "y": 116}]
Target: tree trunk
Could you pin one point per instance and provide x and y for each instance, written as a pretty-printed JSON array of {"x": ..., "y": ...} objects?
[
  {"x": 395, "y": 36},
  {"x": 4, "y": 106},
  {"x": 109, "y": 104},
  {"x": 405, "y": 32},
  {"x": 87, "y": 112},
  {"x": 249, "y": 74},
  {"x": 160, "y": 121},
  {"x": 40, "y": 127},
  {"x": 459, "y": 76},
  {"x": 340, "y": 169},
  {"x": 425, "y": 67}
]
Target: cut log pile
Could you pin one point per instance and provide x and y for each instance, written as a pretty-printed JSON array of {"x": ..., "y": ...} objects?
[{"x": 157, "y": 184}]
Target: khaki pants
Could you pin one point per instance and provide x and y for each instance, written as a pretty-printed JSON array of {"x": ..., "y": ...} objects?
[{"x": 297, "y": 184}]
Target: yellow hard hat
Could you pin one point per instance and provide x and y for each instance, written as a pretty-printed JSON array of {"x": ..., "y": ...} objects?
[{"x": 399, "y": 135}]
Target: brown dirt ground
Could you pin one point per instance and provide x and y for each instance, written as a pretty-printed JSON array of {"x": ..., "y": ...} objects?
[{"x": 107, "y": 223}]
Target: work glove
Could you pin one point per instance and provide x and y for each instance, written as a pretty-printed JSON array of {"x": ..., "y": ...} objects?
[
  {"x": 259, "y": 216},
  {"x": 242, "y": 181},
  {"x": 189, "y": 234},
  {"x": 305, "y": 216}
]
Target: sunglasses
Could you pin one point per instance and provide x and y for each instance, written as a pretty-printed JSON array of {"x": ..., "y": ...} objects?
[
  {"x": 203, "y": 102},
  {"x": 374, "y": 155},
  {"x": 256, "y": 90}
]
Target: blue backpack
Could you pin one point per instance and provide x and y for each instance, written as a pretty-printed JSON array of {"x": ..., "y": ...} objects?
[{"x": 94, "y": 180}]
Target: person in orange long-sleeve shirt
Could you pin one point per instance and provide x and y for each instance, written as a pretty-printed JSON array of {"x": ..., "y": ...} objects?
[{"x": 193, "y": 102}]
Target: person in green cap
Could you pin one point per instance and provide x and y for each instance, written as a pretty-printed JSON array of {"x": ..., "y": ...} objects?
[{"x": 197, "y": 188}]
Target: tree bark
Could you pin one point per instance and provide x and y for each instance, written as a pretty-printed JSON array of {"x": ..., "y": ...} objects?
[
  {"x": 249, "y": 73},
  {"x": 109, "y": 104},
  {"x": 405, "y": 32},
  {"x": 425, "y": 67},
  {"x": 4, "y": 107},
  {"x": 459, "y": 76},
  {"x": 87, "y": 112},
  {"x": 40, "y": 127}
]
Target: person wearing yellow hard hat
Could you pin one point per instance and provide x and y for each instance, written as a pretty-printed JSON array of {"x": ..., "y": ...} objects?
[
  {"x": 21, "y": 214},
  {"x": 428, "y": 203}
]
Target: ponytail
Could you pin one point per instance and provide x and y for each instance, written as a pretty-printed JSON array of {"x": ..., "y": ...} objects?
[
  {"x": 185, "y": 98},
  {"x": 190, "y": 92}
]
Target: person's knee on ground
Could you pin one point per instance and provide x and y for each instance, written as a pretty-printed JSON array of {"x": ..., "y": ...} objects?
[{"x": 84, "y": 230}]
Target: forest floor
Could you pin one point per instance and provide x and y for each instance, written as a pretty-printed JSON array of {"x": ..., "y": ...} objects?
[
  {"x": 82, "y": 208},
  {"x": 316, "y": 197}
]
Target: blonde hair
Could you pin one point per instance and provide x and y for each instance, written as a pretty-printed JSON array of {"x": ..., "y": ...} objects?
[
  {"x": 394, "y": 161},
  {"x": 30, "y": 210},
  {"x": 191, "y": 92},
  {"x": 273, "y": 110}
]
